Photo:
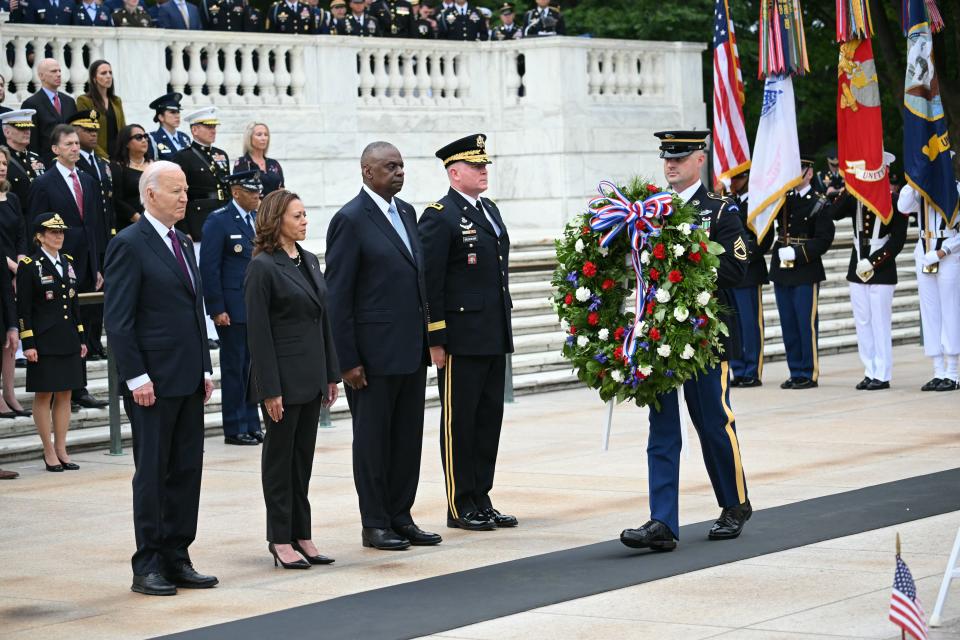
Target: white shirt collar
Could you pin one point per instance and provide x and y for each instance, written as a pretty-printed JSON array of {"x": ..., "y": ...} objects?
[
  {"x": 381, "y": 203},
  {"x": 804, "y": 191},
  {"x": 65, "y": 173},
  {"x": 53, "y": 259},
  {"x": 687, "y": 193},
  {"x": 243, "y": 212},
  {"x": 472, "y": 201},
  {"x": 158, "y": 226}
]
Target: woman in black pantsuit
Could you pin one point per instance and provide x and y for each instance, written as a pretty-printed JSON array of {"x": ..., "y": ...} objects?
[
  {"x": 293, "y": 370},
  {"x": 52, "y": 336}
]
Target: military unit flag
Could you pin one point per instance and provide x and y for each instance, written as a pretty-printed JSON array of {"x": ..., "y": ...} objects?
[{"x": 731, "y": 149}]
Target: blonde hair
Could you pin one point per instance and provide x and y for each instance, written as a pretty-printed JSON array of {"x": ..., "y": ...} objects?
[
  {"x": 248, "y": 137},
  {"x": 5, "y": 184}
]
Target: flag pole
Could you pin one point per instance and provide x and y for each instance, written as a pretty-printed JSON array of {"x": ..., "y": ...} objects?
[{"x": 903, "y": 634}]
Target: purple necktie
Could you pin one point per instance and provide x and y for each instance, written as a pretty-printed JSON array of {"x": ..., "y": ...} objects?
[{"x": 177, "y": 252}]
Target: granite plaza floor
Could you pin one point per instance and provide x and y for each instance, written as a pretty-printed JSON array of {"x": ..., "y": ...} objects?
[{"x": 64, "y": 564}]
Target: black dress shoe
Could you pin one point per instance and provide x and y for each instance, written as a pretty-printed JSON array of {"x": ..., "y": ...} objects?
[
  {"x": 69, "y": 466},
  {"x": 56, "y": 468},
  {"x": 653, "y": 535},
  {"x": 383, "y": 539},
  {"x": 417, "y": 536},
  {"x": 23, "y": 413},
  {"x": 804, "y": 383},
  {"x": 88, "y": 401},
  {"x": 863, "y": 384},
  {"x": 731, "y": 521},
  {"x": 473, "y": 521},
  {"x": 876, "y": 385},
  {"x": 932, "y": 384},
  {"x": 736, "y": 381},
  {"x": 93, "y": 357},
  {"x": 185, "y": 576},
  {"x": 317, "y": 559},
  {"x": 788, "y": 383},
  {"x": 213, "y": 344},
  {"x": 153, "y": 584},
  {"x": 20, "y": 363},
  {"x": 750, "y": 382},
  {"x": 74, "y": 407},
  {"x": 499, "y": 519},
  {"x": 947, "y": 385},
  {"x": 258, "y": 435},
  {"x": 243, "y": 439},
  {"x": 8, "y": 414}
]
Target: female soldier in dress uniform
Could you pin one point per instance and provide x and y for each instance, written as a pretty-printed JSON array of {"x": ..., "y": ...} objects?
[{"x": 52, "y": 336}]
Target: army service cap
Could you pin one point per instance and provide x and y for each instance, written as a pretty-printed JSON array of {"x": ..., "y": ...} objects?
[
  {"x": 472, "y": 149},
  {"x": 86, "y": 119},
  {"x": 49, "y": 222},
  {"x": 680, "y": 144}
]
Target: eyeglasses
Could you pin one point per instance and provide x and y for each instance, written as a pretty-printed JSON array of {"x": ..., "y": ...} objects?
[{"x": 139, "y": 137}]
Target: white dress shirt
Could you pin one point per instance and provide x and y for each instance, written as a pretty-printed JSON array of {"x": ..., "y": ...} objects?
[{"x": 473, "y": 201}]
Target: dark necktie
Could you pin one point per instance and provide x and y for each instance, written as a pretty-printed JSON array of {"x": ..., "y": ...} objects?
[
  {"x": 489, "y": 218},
  {"x": 177, "y": 252},
  {"x": 56, "y": 267}
]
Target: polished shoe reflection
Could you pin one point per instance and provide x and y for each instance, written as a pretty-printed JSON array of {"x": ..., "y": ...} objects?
[
  {"x": 185, "y": 576},
  {"x": 499, "y": 519},
  {"x": 153, "y": 584},
  {"x": 417, "y": 536},
  {"x": 931, "y": 384},
  {"x": 473, "y": 521},
  {"x": 731, "y": 521},
  {"x": 317, "y": 559},
  {"x": 383, "y": 539},
  {"x": 652, "y": 535}
]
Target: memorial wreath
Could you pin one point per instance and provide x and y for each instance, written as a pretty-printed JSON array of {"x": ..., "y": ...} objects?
[{"x": 638, "y": 239}]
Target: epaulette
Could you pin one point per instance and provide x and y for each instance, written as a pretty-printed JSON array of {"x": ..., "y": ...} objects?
[
  {"x": 492, "y": 200},
  {"x": 26, "y": 259},
  {"x": 435, "y": 205},
  {"x": 68, "y": 256}
]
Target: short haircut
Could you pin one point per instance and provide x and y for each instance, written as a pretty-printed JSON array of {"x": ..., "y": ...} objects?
[
  {"x": 372, "y": 148},
  {"x": 151, "y": 176},
  {"x": 59, "y": 131}
]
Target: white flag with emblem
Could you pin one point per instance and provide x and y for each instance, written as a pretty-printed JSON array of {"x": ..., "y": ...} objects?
[{"x": 776, "y": 155}]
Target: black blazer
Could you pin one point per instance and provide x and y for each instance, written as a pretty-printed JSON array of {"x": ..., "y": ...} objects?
[
  {"x": 50, "y": 192},
  {"x": 288, "y": 330},
  {"x": 153, "y": 318},
  {"x": 377, "y": 290},
  {"x": 45, "y": 119}
]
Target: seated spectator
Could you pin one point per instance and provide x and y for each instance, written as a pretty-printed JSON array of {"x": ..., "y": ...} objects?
[
  {"x": 109, "y": 107},
  {"x": 91, "y": 13},
  {"x": 131, "y": 14},
  {"x": 13, "y": 245},
  {"x": 256, "y": 142},
  {"x": 178, "y": 14},
  {"x": 129, "y": 161}
]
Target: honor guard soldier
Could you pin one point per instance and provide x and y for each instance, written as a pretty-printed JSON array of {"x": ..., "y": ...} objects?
[
  {"x": 830, "y": 183},
  {"x": 289, "y": 17},
  {"x": 543, "y": 21},
  {"x": 91, "y": 14},
  {"x": 708, "y": 394},
  {"x": 872, "y": 275},
  {"x": 508, "y": 29},
  {"x": 395, "y": 17},
  {"x": 467, "y": 254},
  {"x": 462, "y": 22},
  {"x": 167, "y": 141},
  {"x": 804, "y": 233},
  {"x": 359, "y": 22},
  {"x": 132, "y": 16},
  {"x": 25, "y": 165},
  {"x": 937, "y": 256},
  {"x": 747, "y": 368},
  {"x": 227, "y": 247}
]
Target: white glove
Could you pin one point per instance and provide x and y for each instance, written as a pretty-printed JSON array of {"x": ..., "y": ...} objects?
[
  {"x": 864, "y": 270},
  {"x": 787, "y": 254},
  {"x": 930, "y": 257}
]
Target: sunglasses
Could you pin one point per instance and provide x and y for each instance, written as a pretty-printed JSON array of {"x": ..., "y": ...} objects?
[{"x": 139, "y": 137}]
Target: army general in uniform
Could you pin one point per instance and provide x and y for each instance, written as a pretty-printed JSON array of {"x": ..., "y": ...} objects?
[
  {"x": 467, "y": 252},
  {"x": 708, "y": 394}
]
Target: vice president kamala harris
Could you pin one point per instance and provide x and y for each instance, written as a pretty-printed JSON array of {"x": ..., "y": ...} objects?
[{"x": 293, "y": 370}]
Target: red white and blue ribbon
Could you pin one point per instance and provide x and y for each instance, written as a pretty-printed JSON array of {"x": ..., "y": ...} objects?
[{"x": 643, "y": 220}]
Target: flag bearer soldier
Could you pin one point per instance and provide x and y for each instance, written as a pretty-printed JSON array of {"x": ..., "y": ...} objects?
[
  {"x": 228, "y": 235},
  {"x": 937, "y": 256},
  {"x": 544, "y": 20},
  {"x": 395, "y": 18},
  {"x": 467, "y": 251},
  {"x": 462, "y": 22},
  {"x": 508, "y": 29},
  {"x": 708, "y": 394},
  {"x": 25, "y": 165},
  {"x": 872, "y": 275},
  {"x": 167, "y": 141},
  {"x": 804, "y": 233}
]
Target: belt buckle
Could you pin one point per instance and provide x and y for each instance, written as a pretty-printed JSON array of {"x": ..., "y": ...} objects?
[
  {"x": 786, "y": 264},
  {"x": 931, "y": 268}
]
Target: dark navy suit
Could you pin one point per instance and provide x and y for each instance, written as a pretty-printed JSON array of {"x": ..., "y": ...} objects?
[
  {"x": 224, "y": 256},
  {"x": 169, "y": 17},
  {"x": 377, "y": 308},
  {"x": 162, "y": 145},
  {"x": 155, "y": 325}
]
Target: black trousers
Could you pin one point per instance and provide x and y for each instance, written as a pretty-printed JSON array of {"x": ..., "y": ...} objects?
[
  {"x": 239, "y": 415},
  {"x": 471, "y": 397},
  {"x": 286, "y": 463},
  {"x": 168, "y": 454},
  {"x": 387, "y": 441}
]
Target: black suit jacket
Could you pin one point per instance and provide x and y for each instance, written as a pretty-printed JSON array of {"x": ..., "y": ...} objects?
[
  {"x": 377, "y": 291},
  {"x": 288, "y": 330},
  {"x": 45, "y": 119},
  {"x": 153, "y": 317},
  {"x": 49, "y": 192}
]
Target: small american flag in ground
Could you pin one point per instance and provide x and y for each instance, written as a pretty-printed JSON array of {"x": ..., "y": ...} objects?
[
  {"x": 731, "y": 151},
  {"x": 905, "y": 609}
]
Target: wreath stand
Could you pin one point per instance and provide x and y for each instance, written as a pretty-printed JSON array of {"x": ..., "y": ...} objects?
[{"x": 952, "y": 573}]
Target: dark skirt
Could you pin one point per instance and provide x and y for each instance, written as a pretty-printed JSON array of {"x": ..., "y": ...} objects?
[{"x": 55, "y": 373}]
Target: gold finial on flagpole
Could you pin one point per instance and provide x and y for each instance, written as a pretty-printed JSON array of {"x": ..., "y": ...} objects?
[{"x": 898, "y": 543}]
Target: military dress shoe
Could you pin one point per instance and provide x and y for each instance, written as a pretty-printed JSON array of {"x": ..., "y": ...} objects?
[
  {"x": 788, "y": 383},
  {"x": 804, "y": 383},
  {"x": 213, "y": 344},
  {"x": 20, "y": 363},
  {"x": 876, "y": 385},
  {"x": 383, "y": 539},
  {"x": 8, "y": 475},
  {"x": 473, "y": 521},
  {"x": 185, "y": 576},
  {"x": 863, "y": 384},
  {"x": 88, "y": 401},
  {"x": 747, "y": 381},
  {"x": 499, "y": 519},
  {"x": 731, "y": 521},
  {"x": 947, "y": 385},
  {"x": 932, "y": 384},
  {"x": 417, "y": 536},
  {"x": 736, "y": 381},
  {"x": 243, "y": 439},
  {"x": 153, "y": 584},
  {"x": 258, "y": 435},
  {"x": 653, "y": 535},
  {"x": 93, "y": 357}
]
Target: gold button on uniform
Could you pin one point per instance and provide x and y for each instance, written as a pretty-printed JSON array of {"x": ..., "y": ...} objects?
[{"x": 461, "y": 308}]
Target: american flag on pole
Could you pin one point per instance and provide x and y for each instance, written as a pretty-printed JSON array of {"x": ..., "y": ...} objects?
[
  {"x": 905, "y": 609},
  {"x": 731, "y": 150}
]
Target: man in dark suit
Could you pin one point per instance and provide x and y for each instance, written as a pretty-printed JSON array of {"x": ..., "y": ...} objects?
[
  {"x": 86, "y": 124},
  {"x": 78, "y": 199},
  {"x": 178, "y": 14},
  {"x": 377, "y": 305},
  {"x": 160, "y": 346},
  {"x": 52, "y": 107},
  {"x": 224, "y": 256},
  {"x": 467, "y": 253}
]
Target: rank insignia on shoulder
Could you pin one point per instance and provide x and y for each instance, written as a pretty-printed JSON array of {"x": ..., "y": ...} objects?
[
  {"x": 68, "y": 256},
  {"x": 435, "y": 205},
  {"x": 26, "y": 260},
  {"x": 740, "y": 249}
]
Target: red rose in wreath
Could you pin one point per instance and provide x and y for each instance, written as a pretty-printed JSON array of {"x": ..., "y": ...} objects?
[
  {"x": 573, "y": 330},
  {"x": 607, "y": 284},
  {"x": 586, "y": 230},
  {"x": 650, "y": 307},
  {"x": 654, "y": 275},
  {"x": 694, "y": 257},
  {"x": 652, "y": 188},
  {"x": 618, "y": 334},
  {"x": 568, "y": 299},
  {"x": 675, "y": 277},
  {"x": 654, "y": 333},
  {"x": 593, "y": 318},
  {"x": 659, "y": 251},
  {"x": 703, "y": 245},
  {"x": 589, "y": 269},
  {"x": 618, "y": 353}
]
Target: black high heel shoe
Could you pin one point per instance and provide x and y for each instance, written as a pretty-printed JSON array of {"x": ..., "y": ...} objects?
[
  {"x": 317, "y": 559},
  {"x": 68, "y": 466},
  {"x": 57, "y": 468},
  {"x": 299, "y": 564}
]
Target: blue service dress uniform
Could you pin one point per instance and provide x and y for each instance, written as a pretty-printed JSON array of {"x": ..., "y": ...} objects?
[
  {"x": 468, "y": 313},
  {"x": 225, "y": 253},
  {"x": 707, "y": 395},
  {"x": 49, "y": 313},
  {"x": 747, "y": 367},
  {"x": 163, "y": 146},
  {"x": 804, "y": 223}
]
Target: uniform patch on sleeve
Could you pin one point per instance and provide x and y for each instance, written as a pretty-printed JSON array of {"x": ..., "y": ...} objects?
[{"x": 740, "y": 249}]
